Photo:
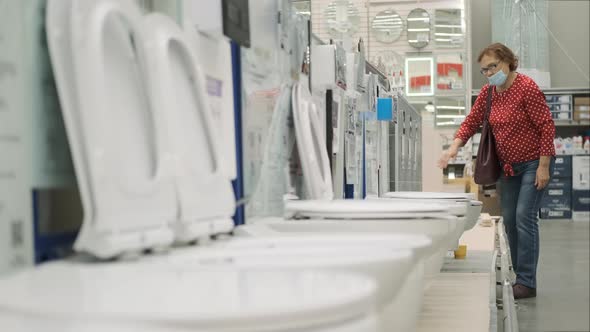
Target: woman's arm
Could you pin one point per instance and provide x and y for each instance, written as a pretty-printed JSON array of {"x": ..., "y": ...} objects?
[{"x": 468, "y": 128}]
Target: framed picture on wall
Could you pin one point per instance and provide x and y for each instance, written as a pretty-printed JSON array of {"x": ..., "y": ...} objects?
[{"x": 419, "y": 76}]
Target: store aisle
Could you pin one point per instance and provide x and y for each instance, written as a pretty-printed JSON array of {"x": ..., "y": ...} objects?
[{"x": 563, "y": 295}]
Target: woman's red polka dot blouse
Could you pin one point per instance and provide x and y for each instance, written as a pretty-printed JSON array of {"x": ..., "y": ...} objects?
[{"x": 520, "y": 120}]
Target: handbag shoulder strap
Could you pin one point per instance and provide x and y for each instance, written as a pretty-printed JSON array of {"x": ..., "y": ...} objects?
[{"x": 486, "y": 115}]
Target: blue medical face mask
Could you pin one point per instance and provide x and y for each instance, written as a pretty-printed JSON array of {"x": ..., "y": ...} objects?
[{"x": 498, "y": 78}]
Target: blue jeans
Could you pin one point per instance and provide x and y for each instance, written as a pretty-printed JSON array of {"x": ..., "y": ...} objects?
[{"x": 521, "y": 201}]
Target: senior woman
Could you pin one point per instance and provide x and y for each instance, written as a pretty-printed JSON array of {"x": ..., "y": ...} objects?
[{"x": 524, "y": 130}]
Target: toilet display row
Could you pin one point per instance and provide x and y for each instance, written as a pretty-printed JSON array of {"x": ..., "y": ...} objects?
[{"x": 153, "y": 251}]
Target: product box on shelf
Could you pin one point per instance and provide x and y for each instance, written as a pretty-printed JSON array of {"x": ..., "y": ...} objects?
[
  {"x": 582, "y": 113},
  {"x": 558, "y": 99},
  {"x": 581, "y": 172},
  {"x": 581, "y": 215},
  {"x": 561, "y": 115},
  {"x": 546, "y": 213},
  {"x": 581, "y": 200},
  {"x": 557, "y": 182},
  {"x": 489, "y": 195},
  {"x": 563, "y": 166},
  {"x": 553, "y": 202},
  {"x": 557, "y": 201},
  {"x": 582, "y": 109}
]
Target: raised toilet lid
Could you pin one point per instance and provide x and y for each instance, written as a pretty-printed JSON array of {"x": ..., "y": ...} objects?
[
  {"x": 206, "y": 300},
  {"x": 59, "y": 44},
  {"x": 311, "y": 144},
  {"x": 128, "y": 203},
  {"x": 177, "y": 90},
  {"x": 363, "y": 209}
]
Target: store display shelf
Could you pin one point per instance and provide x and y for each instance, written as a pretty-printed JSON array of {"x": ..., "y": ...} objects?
[{"x": 571, "y": 123}]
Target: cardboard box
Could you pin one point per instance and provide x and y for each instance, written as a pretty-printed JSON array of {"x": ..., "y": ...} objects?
[
  {"x": 490, "y": 197},
  {"x": 581, "y": 101},
  {"x": 581, "y": 115}
]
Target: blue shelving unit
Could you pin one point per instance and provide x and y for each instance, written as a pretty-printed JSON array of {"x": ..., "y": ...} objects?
[{"x": 238, "y": 183}]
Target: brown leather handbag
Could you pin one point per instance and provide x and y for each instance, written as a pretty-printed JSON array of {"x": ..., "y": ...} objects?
[{"x": 487, "y": 164}]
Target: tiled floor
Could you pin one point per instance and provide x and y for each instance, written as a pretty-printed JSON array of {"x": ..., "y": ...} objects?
[
  {"x": 563, "y": 295},
  {"x": 456, "y": 302}
]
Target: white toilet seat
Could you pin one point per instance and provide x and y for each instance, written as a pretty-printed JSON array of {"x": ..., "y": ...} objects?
[
  {"x": 205, "y": 195},
  {"x": 426, "y": 195},
  {"x": 363, "y": 209},
  {"x": 127, "y": 202},
  {"x": 82, "y": 295}
]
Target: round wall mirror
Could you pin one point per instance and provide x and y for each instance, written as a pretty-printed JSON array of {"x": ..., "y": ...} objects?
[
  {"x": 342, "y": 17},
  {"x": 418, "y": 28},
  {"x": 387, "y": 26}
]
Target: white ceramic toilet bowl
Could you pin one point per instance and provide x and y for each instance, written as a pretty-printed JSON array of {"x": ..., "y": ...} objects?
[
  {"x": 458, "y": 209},
  {"x": 473, "y": 207},
  {"x": 438, "y": 231},
  {"x": 115, "y": 297},
  {"x": 473, "y": 213},
  {"x": 432, "y": 220},
  {"x": 402, "y": 313},
  {"x": 381, "y": 218}
]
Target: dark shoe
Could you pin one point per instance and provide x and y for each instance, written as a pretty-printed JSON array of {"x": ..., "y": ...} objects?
[{"x": 523, "y": 292}]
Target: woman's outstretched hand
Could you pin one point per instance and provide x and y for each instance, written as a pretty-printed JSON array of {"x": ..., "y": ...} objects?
[{"x": 447, "y": 155}]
